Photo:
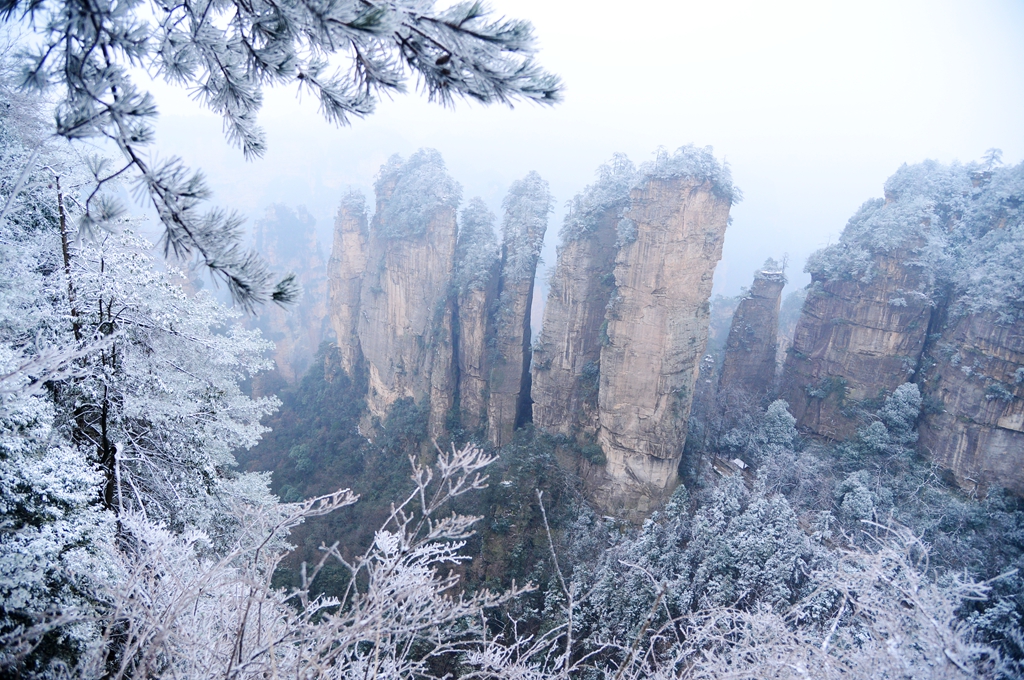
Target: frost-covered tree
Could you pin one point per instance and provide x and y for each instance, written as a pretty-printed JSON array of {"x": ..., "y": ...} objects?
[
  {"x": 523, "y": 225},
  {"x": 226, "y": 53},
  {"x": 413, "y": 191},
  {"x": 161, "y": 405},
  {"x": 611, "y": 190},
  {"x": 477, "y": 249}
]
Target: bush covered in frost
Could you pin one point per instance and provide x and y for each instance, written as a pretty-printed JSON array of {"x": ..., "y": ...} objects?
[{"x": 413, "y": 192}]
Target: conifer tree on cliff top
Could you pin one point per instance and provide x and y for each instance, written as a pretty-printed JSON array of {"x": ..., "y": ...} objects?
[{"x": 226, "y": 52}]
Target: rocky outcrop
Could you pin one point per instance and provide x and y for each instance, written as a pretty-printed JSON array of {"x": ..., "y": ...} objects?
[
  {"x": 287, "y": 240},
  {"x": 923, "y": 285},
  {"x": 477, "y": 270},
  {"x": 346, "y": 270},
  {"x": 526, "y": 216},
  {"x": 404, "y": 317},
  {"x": 856, "y": 341},
  {"x": 567, "y": 359},
  {"x": 748, "y": 367},
  {"x": 974, "y": 426},
  {"x": 657, "y": 325}
]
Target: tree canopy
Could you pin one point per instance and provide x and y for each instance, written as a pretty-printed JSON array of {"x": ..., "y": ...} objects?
[{"x": 348, "y": 53}]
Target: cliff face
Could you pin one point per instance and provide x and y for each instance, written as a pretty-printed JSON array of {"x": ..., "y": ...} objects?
[
  {"x": 566, "y": 363},
  {"x": 975, "y": 427},
  {"x": 287, "y": 240},
  {"x": 404, "y": 316},
  {"x": 856, "y": 340},
  {"x": 748, "y": 368},
  {"x": 526, "y": 216},
  {"x": 346, "y": 269},
  {"x": 477, "y": 272},
  {"x": 657, "y": 325},
  {"x": 924, "y": 285}
]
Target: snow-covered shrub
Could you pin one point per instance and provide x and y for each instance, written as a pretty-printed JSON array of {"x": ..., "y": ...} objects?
[
  {"x": 527, "y": 206},
  {"x": 477, "y": 249},
  {"x": 695, "y": 163},
  {"x": 610, "y": 191},
  {"x": 413, "y": 193}
]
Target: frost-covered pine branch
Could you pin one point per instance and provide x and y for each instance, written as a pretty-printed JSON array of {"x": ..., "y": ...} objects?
[{"x": 348, "y": 54}]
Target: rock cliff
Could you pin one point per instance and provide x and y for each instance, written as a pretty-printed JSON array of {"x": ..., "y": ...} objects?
[
  {"x": 748, "y": 367},
  {"x": 657, "y": 324},
  {"x": 477, "y": 269},
  {"x": 975, "y": 424},
  {"x": 925, "y": 285},
  {"x": 346, "y": 269},
  {"x": 566, "y": 362},
  {"x": 287, "y": 240},
  {"x": 856, "y": 341},
  {"x": 525, "y": 221},
  {"x": 404, "y": 310}
]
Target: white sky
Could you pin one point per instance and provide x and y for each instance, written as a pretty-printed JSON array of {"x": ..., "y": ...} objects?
[{"x": 813, "y": 104}]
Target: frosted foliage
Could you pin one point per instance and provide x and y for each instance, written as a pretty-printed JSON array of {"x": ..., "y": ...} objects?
[
  {"x": 776, "y": 432},
  {"x": 991, "y": 277},
  {"x": 526, "y": 207},
  {"x": 900, "y": 412},
  {"x": 412, "y": 193},
  {"x": 167, "y": 395},
  {"x": 354, "y": 202},
  {"x": 698, "y": 164},
  {"x": 348, "y": 54},
  {"x": 611, "y": 190},
  {"x": 52, "y": 536},
  {"x": 961, "y": 224},
  {"x": 477, "y": 249}
]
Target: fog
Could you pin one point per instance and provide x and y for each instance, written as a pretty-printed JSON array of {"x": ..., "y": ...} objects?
[{"x": 812, "y": 104}]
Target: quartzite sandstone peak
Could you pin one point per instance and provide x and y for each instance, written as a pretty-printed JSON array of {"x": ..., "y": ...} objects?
[
  {"x": 404, "y": 316},
  {"x": 748, "y": 368},
  {"x": 526, "y": 218},
  {"x": 346, "y": 270},
  {"x": 925, "y": 285},
  {"x": 657, "y": 324},
  {"x": 566, "y": 362},
  {"x": 287, "y": 240},
  {"x": 476, "y": 277}
]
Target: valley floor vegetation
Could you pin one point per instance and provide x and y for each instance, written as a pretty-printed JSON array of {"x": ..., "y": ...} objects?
[{"x": 134, "y": 545}]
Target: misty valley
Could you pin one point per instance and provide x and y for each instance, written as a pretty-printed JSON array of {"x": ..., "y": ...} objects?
[{"x": 240, "y": 452}]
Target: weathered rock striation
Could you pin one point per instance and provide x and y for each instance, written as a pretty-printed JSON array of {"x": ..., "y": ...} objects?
[
  {"x": 428, "y": 311},
  {"x": 925, "y": 286},
  {"x": 287, "y": 240},
  {"x": 567, "y": 358},
  {"x": 404, "y": 317},
  {"x": 657, "y": 329},
  {"x": 748, "y": 367},
  {"x": 345, "y": 270},
  {"x": 975, "y": 428},
  {"x": 526, "y": 217},
  {"x": 477, "y": 272},
  {"x": 856, "y": 341}
]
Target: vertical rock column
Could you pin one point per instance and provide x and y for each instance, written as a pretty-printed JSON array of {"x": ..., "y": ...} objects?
[
  {"x": 287, "y": 239},
  {"x": 526, "y": 218},
  {"x": 567, "y": 359},
  {"x": 345, "y": 270},
  {"x": 476, "y": 279},
  {"x": 656, "y": 334},
  {"x": 404, "y": 313},
  {"x": 748, "y": 369}
]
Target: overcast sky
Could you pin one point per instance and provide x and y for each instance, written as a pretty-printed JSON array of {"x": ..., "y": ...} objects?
[{"x": 813, "y": 105}]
